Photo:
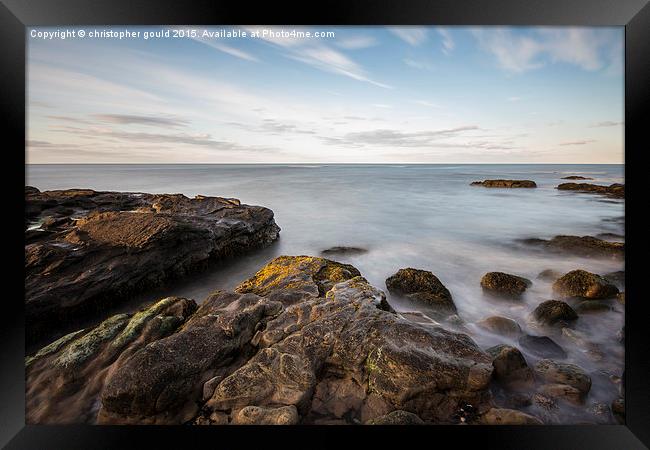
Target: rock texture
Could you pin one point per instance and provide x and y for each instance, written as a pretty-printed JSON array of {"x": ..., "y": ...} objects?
[
  {"x": 86, "y": 250},
  {"x": 615, "y": 190},
  {"x": 305, "y": 340},
  {"x": 502, "y": 416},
  {"x": 585, "y": 246},
  {"x": 500, "y": 325},
  {"x": 551, "y": 312},
  {"x": 424, "y": 288},
  {"x": 583, "y": 284},
  {"x": 542, "y": 346},
  {"x": 505, "y": 183},
  {"x": 504, "y": 285},
  {"x": 510, "y": 367},
  {"x": 561, "y": 373}
]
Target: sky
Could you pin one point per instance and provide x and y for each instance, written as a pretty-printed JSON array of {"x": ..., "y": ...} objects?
[{"x": 350, "y": 95}]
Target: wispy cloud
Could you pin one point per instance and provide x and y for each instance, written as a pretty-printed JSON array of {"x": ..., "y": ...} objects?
[
  {"x": 130, "y": 119},
  {"x": 356, "y": 42},
  {"x": 411, "y": 35},
  {"x": 238, "y": 53},
  {"x": 396, "y": 138},
  {"x": 514, "y": 99},
  {"x": 606, "y": 123},
  {"x": 419, "y": 64},
  {"x": 448, "y": 43},
  {"x": 426, "y": 103},
  {"x": 582, "y": 47},
  {"x": 583, "y": 142}
]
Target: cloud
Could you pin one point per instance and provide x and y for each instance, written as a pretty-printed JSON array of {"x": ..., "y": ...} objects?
[
  {"x": 419, "y": 64},
  {"x": 411, "y": 35},
  {"x": 272, "y": 126},
  {"x": 129, "y": 119},
  {"x": 448, "y": 43},
  {"x": 513, "y": 99},
  {"x": 426, "y": 103},
  {"x": 356, "y": 42},
  {"x": 606, "y": 123},
  {"x": 227, "y": 49},
  {"x": 520, "y": 53},
  {"x": 583, "y": 142},
  {"x": 395, "y": 138}
]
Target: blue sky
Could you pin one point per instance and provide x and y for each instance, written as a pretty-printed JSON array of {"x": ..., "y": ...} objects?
[{"x": 359, "y": 95}]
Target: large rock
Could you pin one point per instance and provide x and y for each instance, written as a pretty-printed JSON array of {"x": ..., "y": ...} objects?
[
  {"x": 306, "y": 340},
  {"x": 510, "y": 367},
  {"x": 100, "y": 247},
  {"x": 65, "y": 379},
  {"x": 576, "y": 177},
  {"x": 583, "y": 284},
  {"x": 585, "y": 246},
  {"x": 397, "y": 417},
  {"x": 562, "y": 373},
  {"x": 551, "y": 312},
  {"x": 542, "y": 346},
  {"x": 423, "y": 287},
  {"x": 615, "y": 190},
  {"x": 504, "y": 285},
  {"x": 505, "y": 183}
]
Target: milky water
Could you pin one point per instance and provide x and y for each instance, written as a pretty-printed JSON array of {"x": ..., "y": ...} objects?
[{"x": 421, "y": 216}]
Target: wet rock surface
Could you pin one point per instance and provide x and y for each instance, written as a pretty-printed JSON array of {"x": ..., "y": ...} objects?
[
  {"x": 583, "y": 284},
  {"x": 585, "y": 246},
  {"x": 500, "y": 325},
  {"x": 86, "y": 250},
  {"x": 542, "y": 346},
  {"x": 562, "y": 373},
  {"x": 341, "y": 250},
  {"x": 510, "y": 367},
  {"x": 551, "y": 312},
  {"x": 505, "y": 183},
  {"x": 422, "y": 287},
  {"x": 615, "y": 190},
  {"x": 305, "y": 340},
  {"x": 504, "y": 285}
]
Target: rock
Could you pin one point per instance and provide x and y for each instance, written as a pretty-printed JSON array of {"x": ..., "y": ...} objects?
[
  {"x": 585, "y": 246},
  {"x": 562, "y": 392},
  {"x": 343, "y": 251},
  {"x": 618, "y": 410},
  {"x": 398, "y": 417},
  {"x": 303, "y": 335},
  {"x": 607, "y": 236},
  {"x": 621, "y": 297},
  {"x": 501, "y": 416},
  {"x": 549, "y": 275},
  {"x": 505, "y": 183},
  {"x": 576, "y": 177},
  {"x": 601, "y": 412},
  {"x": 64, "y": 379},
  {"x": 424, "y": 288},
  {"x": 255, "y": 415},
  {"x": 510, "y": 366},
  {"x": 504, "y": 285},
  {"x": 593, "y": 306},
  {"x": 551, "y": 312},
  {"x": 583, "y": 284},
  {"x": 500, "y": 325},
  {"x": 591, "y": 350},
  {"x": 615, "y": 190},
  {"x": 542, "y": 346},
  {"x": 561, "y": 373},
  {"x": 616, "y": 278},
  {"x": 124, "y": 243}
]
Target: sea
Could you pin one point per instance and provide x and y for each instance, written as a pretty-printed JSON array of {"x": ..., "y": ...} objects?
[{"x": 424, "y": 216}]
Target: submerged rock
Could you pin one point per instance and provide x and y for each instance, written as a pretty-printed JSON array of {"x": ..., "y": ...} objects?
[
  {"x": 542, "y": 346},
  {"x": 505, "y": 183},
  {"x": 398, "y": 417},
  {"x": 306, "y": 340},
  {"x": 562, "y": 373},
  {"x": 425, "y": 288},
  {"x": 510, "y": 367},
  {"x": 576, "y": 177},
  {"x": 344, "y": 251},
  {"x": 500, "y": 325},
  {"x": 558, "y": 391},
  {"x": 123, "y": 243},
  {"x": 502, "y": 416},
  {"x": 549, "y": 275},
  {"x": 504, "y": 285},
  {"x": 585, "y": 246},
  {"x": 583, "y": 284},
  {"x": 551, "y": 312},
  {"x": 615, "y": 190},
  {"x": 617, "y": 278}
]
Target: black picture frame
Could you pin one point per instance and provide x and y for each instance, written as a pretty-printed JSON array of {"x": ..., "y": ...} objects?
[{"x": 634, "y": 15}]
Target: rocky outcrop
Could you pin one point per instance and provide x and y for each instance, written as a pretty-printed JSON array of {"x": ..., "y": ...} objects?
[
  {"x": 510, "y": 367},
  {"x": 576, "y": 177},
  {"x": 339, "y": 250},
  {"x": 504, "y": 285},
  {"x": 500, "y": 325},
  {"x": 615, "y": 190},
  {"x": 502, "y": 416},
  {"x": 87, "y": 250},
  {"x": 585, "y": 246},
  {"x": 542, "y": 346},
  {"x": 398, "y": 417},
  {"x": 562, "y": 373},
  {"x": 583, "y": 284},
  {"x": 505, "y": 183},
  {"x": 551, "y": 312},
  {"x": 424, "y": 288},
  {"x": 305, "y": 340}
]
